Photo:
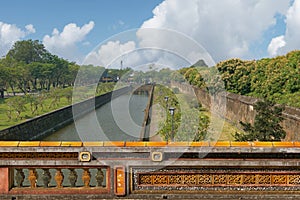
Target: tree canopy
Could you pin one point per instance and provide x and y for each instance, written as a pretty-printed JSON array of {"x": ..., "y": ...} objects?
[{"x": 28, "y": 51}]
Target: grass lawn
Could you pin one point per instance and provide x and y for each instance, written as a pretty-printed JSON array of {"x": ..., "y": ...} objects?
[
  {"x": 83, "y": 93},
  {"x": 5, "y": 122}
]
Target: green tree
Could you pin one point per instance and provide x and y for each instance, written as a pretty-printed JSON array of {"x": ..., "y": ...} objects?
[
  {"x": 236, "y": 75},
  {"x": 266, "y": 125},
  {"x": 34, "y": 102},
  {"x": 17, "y": 105},
  {"x": 27, "y": 51}
]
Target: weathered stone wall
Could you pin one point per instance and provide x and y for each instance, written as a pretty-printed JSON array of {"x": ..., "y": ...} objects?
[
  {"x": 145, "y": 132},
  {"x": 44, "y": 125},
  {"x": 240, "y": 108}
]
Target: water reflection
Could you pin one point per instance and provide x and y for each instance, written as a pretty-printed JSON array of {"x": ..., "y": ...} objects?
[{"x": 120, "y": 120}]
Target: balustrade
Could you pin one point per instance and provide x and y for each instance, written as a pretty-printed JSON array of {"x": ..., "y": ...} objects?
[{"x": 60, "y": 177}]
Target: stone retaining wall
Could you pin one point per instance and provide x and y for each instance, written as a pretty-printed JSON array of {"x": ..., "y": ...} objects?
[
  {"x": 42, "y": 126},
  {"x": 240, "y": 108}
]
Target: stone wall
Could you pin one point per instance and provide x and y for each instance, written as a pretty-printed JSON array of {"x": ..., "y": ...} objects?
[
  {"x": 236, "y": 108},
  {"x": 44, "y": 125}
]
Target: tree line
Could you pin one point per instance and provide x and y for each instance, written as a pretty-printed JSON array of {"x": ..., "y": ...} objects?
[
  {"x": 276, "y": 79},
  {"x": 29, "y": 67},
  {"x": 273, "y": 80}
]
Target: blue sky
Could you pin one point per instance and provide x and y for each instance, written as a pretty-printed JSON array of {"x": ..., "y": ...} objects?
[
  {"x": 110, "y": 16},
  {"x": 249, "y": 29}
]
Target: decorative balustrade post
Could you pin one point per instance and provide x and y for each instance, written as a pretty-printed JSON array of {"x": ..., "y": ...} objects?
[
  {"x": 99, "y": 177},
  {"x": 19, "y": 177},
  {"x": 59, "y": 178},
  {"x": 86, "y": 177},
  {"x": 32, "y": 178},
  {"x": 73, "y": 177},
  {"x": 46, "y": 177}
]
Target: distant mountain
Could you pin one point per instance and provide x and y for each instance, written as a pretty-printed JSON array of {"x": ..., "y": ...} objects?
[{"x": 200, "y": 63}]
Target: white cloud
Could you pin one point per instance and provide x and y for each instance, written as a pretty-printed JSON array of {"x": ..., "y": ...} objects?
[
  {"x": 291, "y": 37},
  {"x": 109, "y": 52},
  {"x": 64, "y": 43},
  {"x": 276, "y": 44},
  {"x": 30, "y": 28},
  {"x": 225, "y": 28},
  {"x": 10, "y": 33}
]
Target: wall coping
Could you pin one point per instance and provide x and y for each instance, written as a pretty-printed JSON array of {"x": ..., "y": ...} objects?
[{"x": 294, "y": 144}]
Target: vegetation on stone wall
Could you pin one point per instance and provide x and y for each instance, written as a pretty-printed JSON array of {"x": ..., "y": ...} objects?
[
  {"x": 276, "y": 79},
  {"x": 266, "y": 125}
]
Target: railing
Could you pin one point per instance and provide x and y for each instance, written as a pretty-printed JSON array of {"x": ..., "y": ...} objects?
[
  {"x": 110, "y": 169},
  {"x": 59, "y": 177}
]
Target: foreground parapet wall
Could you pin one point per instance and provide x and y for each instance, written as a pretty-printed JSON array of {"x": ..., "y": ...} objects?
[{"x": 144, "y": 169}]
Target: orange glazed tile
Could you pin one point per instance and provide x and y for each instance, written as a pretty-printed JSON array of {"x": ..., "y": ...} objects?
[
  {"x": 178, "y": 144},
  {"x": 92, "y": 144},
  {"x": 135, "y": 144},
  {"x": 199, "y": 144},
  {"x": 262, "y": 144},
  {"x": 283, "y": 144},
  {"x": 9, "y": 143},
  {"x": 50, "y": 144},
  {"x": 29, "y": 144},
  {"x": 156, "y": 144},
  {"x": 71, "y": 144},
  {"x": 220, "y": 144},
  {"x": 241, "y": 144},
  {"x": 296, "y": 144},
  {"x": 114, "y": 144}
]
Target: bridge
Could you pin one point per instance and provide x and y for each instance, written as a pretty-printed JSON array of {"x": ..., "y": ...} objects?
[{"x": 141, "y": 169}]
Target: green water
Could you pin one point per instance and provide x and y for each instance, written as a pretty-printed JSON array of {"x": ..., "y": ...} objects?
[{"x": 119, "y": 120}]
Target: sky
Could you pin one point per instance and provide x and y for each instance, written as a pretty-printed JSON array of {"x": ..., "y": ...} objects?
[{"x": 168, "y": 32}]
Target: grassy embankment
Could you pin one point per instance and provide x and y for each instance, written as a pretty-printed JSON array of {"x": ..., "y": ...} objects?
[
  {"x": 48, "y": 105},
  {"x": 220, "y": 129}
]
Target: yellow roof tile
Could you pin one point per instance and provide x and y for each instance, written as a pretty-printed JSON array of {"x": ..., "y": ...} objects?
[
  {"x": 220, "y": 144},
  {"x": 199, "y": 144},
  {"x": 114, "y": 144},
  {"x": 9, "y": 143},
  {"x": 283, "y": 144},
  {"x": 178, "y": 144},
  {"x": 50, "y": 143},
  {"x": 241, "y": 144},
  {"x": 92, "y": 144},
  {"x": 71, "y": 144},
  {"x": 29, "y": 143},
  {"x": 156, "y": 144},
  {"x": 135, "y": 144},
  {"x": 262, "y": 144}
]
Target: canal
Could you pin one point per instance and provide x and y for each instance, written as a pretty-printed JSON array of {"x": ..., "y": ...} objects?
[{"x": 119, "y": 120}]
